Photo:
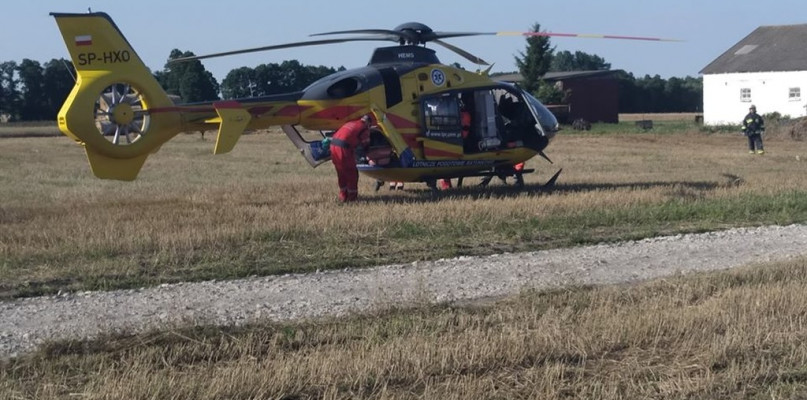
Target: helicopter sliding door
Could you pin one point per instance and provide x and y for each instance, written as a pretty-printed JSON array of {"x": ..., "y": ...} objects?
[{"x": 485, "y": 122}]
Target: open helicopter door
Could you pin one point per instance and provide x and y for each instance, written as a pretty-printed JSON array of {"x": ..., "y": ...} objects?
[
  {"x": 312, "y": 150},
  {"x": 487, "y": 123}
]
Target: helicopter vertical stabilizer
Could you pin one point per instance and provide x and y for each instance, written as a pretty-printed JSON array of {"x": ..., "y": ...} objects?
[
  {"x": 232, "y": 120},
  {"x": 117, "y": 109}
]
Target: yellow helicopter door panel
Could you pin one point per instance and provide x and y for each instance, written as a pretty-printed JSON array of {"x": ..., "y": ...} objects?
[{"x": 439, "y": 150}]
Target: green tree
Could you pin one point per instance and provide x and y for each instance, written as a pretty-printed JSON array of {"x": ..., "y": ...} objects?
[
  {"x": 654, "y": 94},
  {"x": 9, "y": 83},
  {"x": 693, "y": 94},
  {"x": 239, "y": 83},
  {"x": 579, "y": 61},
  {"x": 651, "y": 93},
  {"x": 188, "y": 79},
  {"x": 269, "y": 79},
  {"x": 533, "y": 65},
  {"x": 32, "y": 98},
  {"x": 534, "y": 62},
  {"x": 58, "y": 80}
]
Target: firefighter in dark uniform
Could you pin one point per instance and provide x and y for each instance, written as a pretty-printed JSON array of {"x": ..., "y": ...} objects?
[
  {"x": 344, "y": 143},
  {"x": 753, "y": 128}
]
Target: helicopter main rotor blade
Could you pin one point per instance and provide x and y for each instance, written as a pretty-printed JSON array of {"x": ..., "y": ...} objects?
[
  {"x": 587, "y": 36},
  {"x": 274, "y": 47},
  {"x": 444, "y": 35},
  {"x": 382, "y": 34},
  {"x": 468, "y": 56},
  {"x": 413, "y": 33},
  {"x": 364, "y": 31}
]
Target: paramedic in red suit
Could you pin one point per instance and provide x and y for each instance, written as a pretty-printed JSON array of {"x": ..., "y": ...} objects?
[{"x": 343, "y": 154}]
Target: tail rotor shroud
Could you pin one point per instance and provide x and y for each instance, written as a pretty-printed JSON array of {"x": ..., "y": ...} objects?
[{"x": 121, "y": 114}]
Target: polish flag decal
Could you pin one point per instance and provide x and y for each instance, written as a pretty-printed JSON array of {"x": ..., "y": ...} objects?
[{"x": 84, "y": 40}]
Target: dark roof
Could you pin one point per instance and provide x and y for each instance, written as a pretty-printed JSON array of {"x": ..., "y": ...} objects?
[
  {"x": 767, "y": 48},
  {"x": 556, "y": 76}
]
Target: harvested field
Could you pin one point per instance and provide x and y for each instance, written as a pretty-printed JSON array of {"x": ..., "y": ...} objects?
[
  {"x": 261, "y": 211},
  {"x": 29, "y": 129}
]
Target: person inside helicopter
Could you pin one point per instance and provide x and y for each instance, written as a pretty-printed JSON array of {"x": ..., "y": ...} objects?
[{"x": 515, "y": 122}]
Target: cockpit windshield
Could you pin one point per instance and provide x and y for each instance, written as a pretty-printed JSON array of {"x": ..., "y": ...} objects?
[{"x": 549, "y": 124}]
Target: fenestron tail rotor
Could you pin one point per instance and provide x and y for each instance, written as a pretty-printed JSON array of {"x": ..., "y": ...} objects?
[{"x": 121, "y": 114}]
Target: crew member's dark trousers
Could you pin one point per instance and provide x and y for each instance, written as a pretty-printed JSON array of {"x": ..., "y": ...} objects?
[
  {"x": 755, "y": 142},
  {"x": 344, "y": 161}
]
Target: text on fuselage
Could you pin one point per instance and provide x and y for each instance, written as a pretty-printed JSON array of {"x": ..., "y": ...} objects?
[{"x": 107, "y": 57}]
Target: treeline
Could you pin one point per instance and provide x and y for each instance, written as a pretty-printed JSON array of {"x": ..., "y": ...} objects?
[
  {"x": 636, "y": 95},
  {"x": 30, "y": 91},
  {"x": 266, "y": 79},
  {"x": 652, "y": 94}
]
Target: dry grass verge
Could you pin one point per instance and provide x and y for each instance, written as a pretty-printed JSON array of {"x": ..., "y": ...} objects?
[
  {"x": 29, "y": 129},
  {"x": 737, "y": 334},
  {"x": 687, "y": 117}
]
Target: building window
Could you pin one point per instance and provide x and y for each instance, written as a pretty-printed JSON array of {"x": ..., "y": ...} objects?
[
  {"x": 745, "y": 95},
  {"x": 794, "y": 94}
]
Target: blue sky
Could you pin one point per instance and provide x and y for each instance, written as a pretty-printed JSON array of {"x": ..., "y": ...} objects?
[{"x": 154, "y": 28}]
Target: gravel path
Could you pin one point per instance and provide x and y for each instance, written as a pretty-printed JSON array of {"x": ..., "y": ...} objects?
[{"x": 27, "y": 322}]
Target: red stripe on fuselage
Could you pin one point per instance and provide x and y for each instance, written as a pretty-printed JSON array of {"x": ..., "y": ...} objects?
[
  {"x": 287, "y": 111},
  {"x": 401, "y": 123},
  {"x": 180, "y": 109},
  {"x": 260, "y": 110},
  {"x": 338, "y": 112},
  {"x": 291, "y": 110}
]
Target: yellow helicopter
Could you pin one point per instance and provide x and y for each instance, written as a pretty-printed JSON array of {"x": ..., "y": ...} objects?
[{"x": 120, "y": 114}]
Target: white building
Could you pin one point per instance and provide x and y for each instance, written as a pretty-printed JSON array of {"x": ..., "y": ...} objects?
[{"x": 767, "y": 68}]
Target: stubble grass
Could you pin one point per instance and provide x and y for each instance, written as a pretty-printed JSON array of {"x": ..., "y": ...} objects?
[{"x": 261, "y": 210}]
